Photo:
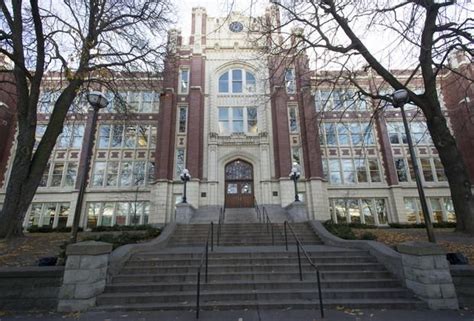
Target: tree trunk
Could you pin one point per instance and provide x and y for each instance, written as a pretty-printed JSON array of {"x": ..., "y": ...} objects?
[{"x": 455, "y": 169}]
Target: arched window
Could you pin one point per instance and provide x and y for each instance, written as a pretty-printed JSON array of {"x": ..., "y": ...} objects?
[{"x": 237, "y": 81}]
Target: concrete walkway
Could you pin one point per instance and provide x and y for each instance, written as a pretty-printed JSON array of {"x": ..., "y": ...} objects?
[{"x": 269, "y": 315}]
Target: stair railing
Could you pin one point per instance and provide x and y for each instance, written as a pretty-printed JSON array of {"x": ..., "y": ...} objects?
[
  {"x": 204, "y": 259},
  {"x": 299, "y": 246},
  {"x": 220, "y": 223},
  {"x": 268, "y": 224}
]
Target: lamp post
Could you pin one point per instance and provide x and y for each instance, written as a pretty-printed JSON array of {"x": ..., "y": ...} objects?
[
  {"x": 185, "y": 177},
  {"x": 400, "y": 98},
  {"x": 294, "y": 176},
  {"x": 98, "y": 101}
]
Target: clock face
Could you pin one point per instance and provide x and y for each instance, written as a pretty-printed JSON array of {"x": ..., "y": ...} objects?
[{"x": 236, "y": 26}]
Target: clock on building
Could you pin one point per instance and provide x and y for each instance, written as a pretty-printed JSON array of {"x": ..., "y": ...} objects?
[{"x": 236, "y": 26}]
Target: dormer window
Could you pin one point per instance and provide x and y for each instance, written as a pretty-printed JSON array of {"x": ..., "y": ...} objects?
[{"x": 237, "y": 81}]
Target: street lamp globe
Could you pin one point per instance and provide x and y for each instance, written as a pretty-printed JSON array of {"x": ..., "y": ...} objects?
[
  {"x": 97, "y": 99},
  {"x": 400, "y": 97}
]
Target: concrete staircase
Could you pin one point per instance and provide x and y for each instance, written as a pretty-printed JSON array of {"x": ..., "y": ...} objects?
[
  {"x": 241, "y": 234},
  {"x": 246, "y": 273}
]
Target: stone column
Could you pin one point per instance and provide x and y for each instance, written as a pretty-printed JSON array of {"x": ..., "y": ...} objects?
[
  {"x": 427, "y": 274},
  {"x": 84, "y": 276},
  {"x": 297, "y": 212},
  {"x": 184, "y": 213}
]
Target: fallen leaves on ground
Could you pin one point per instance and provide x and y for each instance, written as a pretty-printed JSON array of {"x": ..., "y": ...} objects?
[{"x": 448, "y": 239}]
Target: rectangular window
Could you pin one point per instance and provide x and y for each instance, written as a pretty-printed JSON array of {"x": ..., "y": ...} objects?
[
  {"x": 252, "y": 120},
  {"x": 142, "y": 136},
  {"x": 361, "y": 170},
  {"x": 348, "y": 170},
  {"x": 134, "y": 101},
  {"x": 147, "y": 102},
  {"x": 374, "y": 171},
  {"x": 224, "y": 120},
  {"x": 180, "y": 161},
  {"x": 117, "y": 136},
  {"x": 126, "y": 174},
  {"x": 440, "y": 174},
  {"x": 368, "y": 212},
  {"x": 104, "y": 136},
  {"x": 335, "y": 171},
  {"x": 295, "y": 155},
  {"x": 401, "y": 168},
  {"x": 130, "y": 136},
  {"x": 236, "y": 80},
  {"x": 63, "y": 215},
  {"x": 341, "y": 210},
  {"x": 343, "y": 134},
  {"x": 330, "y": 134},
  {"x": 58, "y": 170},
  {"x": 99, "y": 174},
  {"x": 93, "y": 210},
  {"x": 71, "y": 174},
  {"x": 183, "y": 116},
  {"x": 121, "y": 213},
  {"x": 426, "y": 168},
  {"x": 139, "y": 173},
  {"x": 290, "y": 83},
  {"x": 354, "y": 211},
  {"x": 112, "y": 173},
  {"x": 293, "y": 120},
  {"x": 184, "y": 81},
  {"x": 237, "y": 120},
  {"x": 107, "y": 215}
]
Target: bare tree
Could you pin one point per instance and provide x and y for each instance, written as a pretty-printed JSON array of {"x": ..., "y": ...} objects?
[
  {"x": 340, "y": 37},
  {"x": 85, "y": 42}
]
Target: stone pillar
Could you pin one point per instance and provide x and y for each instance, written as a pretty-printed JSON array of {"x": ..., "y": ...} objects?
[
  {"x": 84, "y": 276},
  {"x": 297, "y": 212},
  {"x": 184, "y": 213},
  {"x": 427, "y": 274}
]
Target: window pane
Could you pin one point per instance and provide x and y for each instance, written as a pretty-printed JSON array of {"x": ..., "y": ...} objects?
[
  {"x": 224, "y": 83},
  {"x": 58, "y": 170},
  {"x": 341, "y": 210},
  {"x": 237, "y": 120},
  {"x": 448, "y": 205},
  {"x": 374, "y": 170},
  {"x": 78, "y": 134},
  {"x": 107, "y": 214},
  {"x": 361, "y": 170},
  {"x": 139, "y": 173},
  {"x": 126, "y": 174},
  {"x": 99, "y": 172},
  {"x": 437, "y": 210},
  {"x": 44, "y": 178},
  {"x": 182, "y": 119},
  {"x": 93, "y": 210},
  {"x": 252, "y": 120},
  {"x": 130, "y": 136},
  {"x": 63, "y": 214},
  {"x": 104, "y": 136},
  {"x": 334, "y": 171},
  {"x": 381, "y": 211},
  {"x": 35, "y": 214},
  {"x": 250, "y": 78},
  {"x": 112, "y": 173},
  {"x": 48, "y": 214},
  {"x": 236, "y": 81},
  {"x": 184, "y": 80},
  {"x": 440, "y": 174},
  {"x": 121, "y": 213},
  {"x": 343, "y": 134},
  {"x": 426, "y": 168},
  {"x": 348, "y": 169},
  {"x": 330, "y": 134},
  {"x": 401, "y": 170},
  {"x": 134, "y": 101},
  {"x": 354, "y": 211},
  {"x": 368, "y": 211},
  {"x": 142, "y": 136},
  {"x": 411, "y": 210},
  {"x": 71, "y": 174},
  {"x": 293, "y": 120},
  {"x": 117, "y": 134}
]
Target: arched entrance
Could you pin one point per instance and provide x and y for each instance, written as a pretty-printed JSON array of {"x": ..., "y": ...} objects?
[{"x": 238, "y": 184}]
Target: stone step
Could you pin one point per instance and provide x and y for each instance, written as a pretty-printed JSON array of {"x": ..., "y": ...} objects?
[
  {"x": 154, "y": 262},
  {"x": 249, "y": 255},
  {"x": 256, "y": 268},
  {"x": 250, "y": 285},
  {"x": 260, "y": 294},
  {"x": 378, "y": 303},
  {"x": 223, "y": 276}
]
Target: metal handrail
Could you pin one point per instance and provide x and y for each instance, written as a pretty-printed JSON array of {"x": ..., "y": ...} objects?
[
  {"x": 220, "y": 223},
  {"x": 268, "y": 223},
  {"x": 299, "y": 245},
  {"x": 204, "y": 258},
  {"x": 262, "y": 215}
]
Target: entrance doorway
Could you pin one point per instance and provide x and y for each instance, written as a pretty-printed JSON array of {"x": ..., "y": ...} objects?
[{"x": 238, "y": 184}]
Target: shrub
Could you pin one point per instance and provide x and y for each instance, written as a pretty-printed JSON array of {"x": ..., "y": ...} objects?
[
  {"x": 422, "y": 225},
  {"x": 125, "y": 238},
  {"x": 361, "y": 226},
  {"x": 368, "y": 236},
  {"x": 122, "y": 228},
  {"x": 341, "y": 230},
  {"x": 49, "y": 229}
]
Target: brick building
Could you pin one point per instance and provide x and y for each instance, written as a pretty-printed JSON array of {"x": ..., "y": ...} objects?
[{"x": 238, "y": 120}]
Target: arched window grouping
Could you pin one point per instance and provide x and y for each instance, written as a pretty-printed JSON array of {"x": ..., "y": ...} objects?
[{"x": 237, "y": 81}]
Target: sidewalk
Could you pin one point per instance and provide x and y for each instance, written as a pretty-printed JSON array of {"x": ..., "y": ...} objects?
[{"x": 269, "y": 315}]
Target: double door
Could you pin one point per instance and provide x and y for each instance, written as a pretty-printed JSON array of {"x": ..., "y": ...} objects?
[{"x": 239, "y": 194}]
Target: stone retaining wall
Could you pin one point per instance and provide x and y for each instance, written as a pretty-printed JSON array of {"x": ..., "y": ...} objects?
[
  {"x": 463, "y": 278},
  {"x": 30, "y": 288}
]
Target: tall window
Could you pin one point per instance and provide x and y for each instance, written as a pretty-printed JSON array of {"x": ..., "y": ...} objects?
[
  {"x": 237, "y": 81},
  {"x": 339, "y": 100},
  {"x": 132, "y": 102},
  {"x": 237, "y": 120},
  {"x": 182, "y": 119},
  {"x": 419, "y": 133},
  {"x": 51, "y": 214},
  {"x": 117, "y": 213},
  {"x": 371, "y": 211},
  {"x": 184, "y": 81},
  {"x": 180, "y": 161},
  {"x": 290, "y": 83},
  {"x": 347, "y": 134},
  {"x": 293, "y": 119}
]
